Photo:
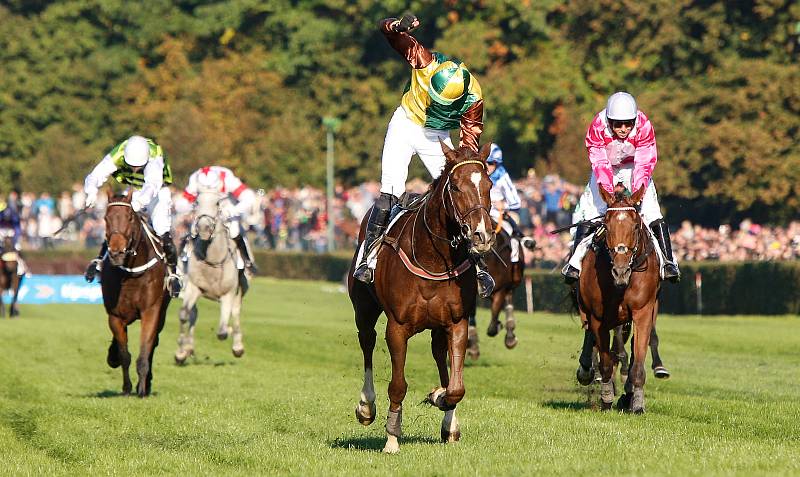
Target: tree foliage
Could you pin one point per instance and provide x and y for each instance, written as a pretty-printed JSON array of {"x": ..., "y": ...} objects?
[{"x": 245, "y": 83}]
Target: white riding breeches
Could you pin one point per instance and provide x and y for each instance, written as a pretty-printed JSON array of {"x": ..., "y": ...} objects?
[
  {"x": 591, "y": 204},
  {"x": 514, "y": 242},
  {"x": 403, "y": 139},
  {"x": 160, "y": 211}
]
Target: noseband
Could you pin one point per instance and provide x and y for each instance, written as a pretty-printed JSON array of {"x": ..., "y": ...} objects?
[
  {"x": 129, "y": 247},
  {"x": 459, "y": 217}
]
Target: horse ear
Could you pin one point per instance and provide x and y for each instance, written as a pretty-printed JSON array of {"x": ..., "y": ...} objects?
[
  {"x": 636, "y": 198},
  {"x": 449, "y": 154},
  {"x": 607, "y": 197},
  {"x": 485, "y": 150}
]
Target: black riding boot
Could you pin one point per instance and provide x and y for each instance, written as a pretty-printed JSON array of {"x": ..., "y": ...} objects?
[
  {"x": 376, "y": 226},
  {"x": 570, "y": 273},
  {"x": 247, "y": 256},
  {"x": 660, "y": 229},
  {"x": 527, "y": 242},
  {"x": 96, "y": 264},
  {"x": 174, "y": 284}
]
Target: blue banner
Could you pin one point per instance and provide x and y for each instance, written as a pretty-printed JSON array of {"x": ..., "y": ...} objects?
[{"x": 41, "y": 289}]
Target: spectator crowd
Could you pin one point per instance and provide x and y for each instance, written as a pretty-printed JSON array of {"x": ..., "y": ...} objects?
[{"x": 295, "y": 219}]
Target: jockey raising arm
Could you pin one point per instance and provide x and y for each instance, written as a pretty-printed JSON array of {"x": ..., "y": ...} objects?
[
  {"x": 621, "y": 145},
  {"x": 441, "y": 95},
  {"x": 242, "y": 199},
  {"x": 140, "y": 163}
]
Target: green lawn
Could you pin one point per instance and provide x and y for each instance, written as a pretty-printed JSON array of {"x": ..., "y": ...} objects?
[{"x": 286, "y": 407}]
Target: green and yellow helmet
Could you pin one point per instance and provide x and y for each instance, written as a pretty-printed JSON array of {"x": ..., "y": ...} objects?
[{"x": 449, "y": 82}]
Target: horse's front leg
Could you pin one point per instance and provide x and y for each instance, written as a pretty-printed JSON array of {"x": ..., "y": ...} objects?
[
  {"x": 225, "y": 308},
  {"x": 152, "y": 322},
  {"x": 450, "y": 430},
  {"x": 603, "y": 338},
  {"x": 118, "y": 354},
  {"x": 659, "y": 370},
  {"x": 238, "y": 346},
  {"x": 498, "y": 299},
  {"x": 367, "y": 312},
  {"x": 643, "y": 324},
  {"x": 397, "y": 341},
  {"x": 511, "y": 323},
  {"x": 187, "y": 318}
]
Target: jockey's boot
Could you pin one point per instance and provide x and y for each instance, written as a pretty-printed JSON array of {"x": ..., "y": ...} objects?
[
  {"x": 174, "y": 282},
  {"x": 247, "y": 256},
  {"x": 376, "y": 226},
  {"x": 527, "y": 242},
  {"x": 661, "y": 231},
  {"x": 96, "y": 264},
  {"x": 485, "y": 280},
  {"x": 570, "y": 273}
]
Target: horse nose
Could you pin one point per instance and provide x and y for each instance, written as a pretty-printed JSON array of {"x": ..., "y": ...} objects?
[{"x": 481, "y": 237}]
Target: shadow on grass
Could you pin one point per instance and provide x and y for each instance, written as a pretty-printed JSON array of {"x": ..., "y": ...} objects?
[
  {"x": 110, "y": 393},
  {"x": 376, "y": 443},
  {"x": 567, "y": 405},
  {"x": 206, "y": 361},
  {"x": 482, "y": 364}
]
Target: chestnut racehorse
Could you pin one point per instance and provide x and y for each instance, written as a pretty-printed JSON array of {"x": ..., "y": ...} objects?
[
  {"x": 619, "y": 283},
  {"x": 426, "y": 280},
  {"x": 132, "y": 280}
]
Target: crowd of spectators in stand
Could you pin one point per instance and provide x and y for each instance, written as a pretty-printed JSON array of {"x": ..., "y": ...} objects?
[{"x": 295, "y": 220}]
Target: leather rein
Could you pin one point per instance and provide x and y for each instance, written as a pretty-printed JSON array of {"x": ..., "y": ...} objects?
[
  {"x": 412, "y": 263},
  {"x": 133, "y": 242}
]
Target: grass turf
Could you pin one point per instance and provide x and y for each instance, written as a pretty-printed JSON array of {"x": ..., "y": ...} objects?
[{"x": 286, "y": 407}]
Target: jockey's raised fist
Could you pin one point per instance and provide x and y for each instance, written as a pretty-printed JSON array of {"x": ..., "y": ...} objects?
[{"x": 407, "y": 23}]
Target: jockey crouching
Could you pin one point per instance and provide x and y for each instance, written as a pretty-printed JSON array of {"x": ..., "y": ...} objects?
[
  {"x": 241, "y": 200},
  {"x": 441, "y": 95},
  {"x": 505, "y": 202},
  {"x": 140, "y": 163},
  {"x": 621, "y": 143}
]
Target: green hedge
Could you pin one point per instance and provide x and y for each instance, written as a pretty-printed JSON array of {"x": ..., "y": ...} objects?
[{"x": 754, "y": 288}]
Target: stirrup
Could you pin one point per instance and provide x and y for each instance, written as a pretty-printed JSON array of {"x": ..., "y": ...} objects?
[
  {"x": 485, "y": 284},
  {"x": 363, "y": 273},
  {"x": 528, "y": 242},
  {"x": 174, "y": 284},
  {"x": 94, "y": 267},
  {"x": 251, "y": 266},
  {"x": 571, "y": 274},
  {"x": 673, "y": 275}
]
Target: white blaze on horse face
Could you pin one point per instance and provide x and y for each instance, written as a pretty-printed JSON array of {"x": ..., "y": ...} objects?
[
  {"x": 622, "y": 216},
  {"x": 476, "y": 179}
]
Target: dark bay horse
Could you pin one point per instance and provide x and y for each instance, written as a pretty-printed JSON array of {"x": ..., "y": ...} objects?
[
  {"x": 426, "y": 280},
  {"x": 132, "y": 280},
  {"x": 507, "y": 276},
  {"x": 619, "y": 284},
  {"x": 10, "y": 280}
]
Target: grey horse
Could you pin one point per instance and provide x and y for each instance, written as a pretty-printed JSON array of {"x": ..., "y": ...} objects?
[{"x": 212, "y": 273}]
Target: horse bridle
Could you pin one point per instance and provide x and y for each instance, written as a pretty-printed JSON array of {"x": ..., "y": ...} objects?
[
  {"x": 613, "y": 251},
  {"x": 129, "y": 247},
  {"x": 460, "y": 217}
]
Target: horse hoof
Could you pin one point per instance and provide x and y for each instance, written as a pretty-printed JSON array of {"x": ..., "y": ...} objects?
[
  {"x": 511, "y": 342},
  {"x": 494, "y": 328},
  {"x": 222, "y": 336},
  {"x": 584, "y": 375},
  {"x": 180, "y": 359},
  {"x": 605, "y": 406},
  {"x": 365, "y": 413},
  {"x": 638, "y": 411},
  {"x": 450, "y": 437},
  {"x": 624, "y": 402},
  {"x": 392, "y": 445},
  {"x": 238, "y": 352},
  {"x": 661, "y": 372}
]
